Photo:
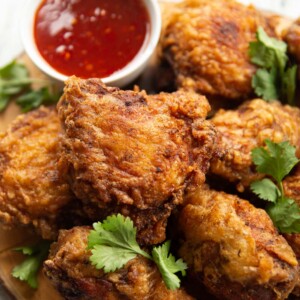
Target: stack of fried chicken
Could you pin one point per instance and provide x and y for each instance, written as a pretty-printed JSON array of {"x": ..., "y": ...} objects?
[{"x": 104, "y": 151}]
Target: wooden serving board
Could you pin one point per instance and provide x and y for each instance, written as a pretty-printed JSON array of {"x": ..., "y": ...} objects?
[{"x": 10, "y": 239}]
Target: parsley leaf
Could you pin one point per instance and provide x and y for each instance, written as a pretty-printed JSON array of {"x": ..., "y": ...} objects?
[
  {"x": 277, "y": 160},
  {"x": 15, "y": 80},
  {"x": 168, "y": 266},
  {"x": 275, "y": 80},
  {"x": 113, "y": 243},
  {"x": 28, "y": 269}
]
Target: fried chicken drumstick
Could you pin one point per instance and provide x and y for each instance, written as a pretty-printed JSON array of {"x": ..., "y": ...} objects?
[
  {"x": 69, "y": 270},
  {"x": 132, "y": 153},
  {"x": 234, "y": 248},
  {"x": 206, "y": 43},
  {"x": 33, "y": 190},
  {"x": 246, "y": 128}
]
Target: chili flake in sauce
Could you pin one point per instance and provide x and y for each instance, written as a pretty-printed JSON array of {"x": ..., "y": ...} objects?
[{"x": 90, "y": 38}]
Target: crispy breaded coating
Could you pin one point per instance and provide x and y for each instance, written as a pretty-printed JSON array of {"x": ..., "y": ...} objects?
[
  {"x": 292, "y": 38},
  {"x": 246, "y": 128},
  {"x": 133, "y": 153},
  {"x": 234, "y": 248},
  {"x": 207, "y": 43},
  {"x": 32, "y": 188},
  {"x": 69, "y": 269},
  {"x": 291, "y": 185}
]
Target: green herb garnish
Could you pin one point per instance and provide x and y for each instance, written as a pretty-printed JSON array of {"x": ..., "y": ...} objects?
[
  {"x": 277, "y": 161},
  {"x": 275, "y": 79},
  {"x": 113, "y": 243},
  {"x": 28, "y": 270},
  {"x": 15, "y": 83}
]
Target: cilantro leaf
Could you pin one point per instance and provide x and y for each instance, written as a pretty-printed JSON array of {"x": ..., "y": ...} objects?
[
  {"x": 270, "y": 42},
  {"x": 277, "y": 161},
  {"x": 264, "y": 84},
  {"x": 261, "y": 55},
  {"x": 109, "y": 258},
  {"x": 265, "y": 189},
  {"x": 36, "y": 98},
  {"x": 285, "y": 214},
  {"x": 289, "y": 84},
  {"x": 168, "y": 266},
  {"x": 274, "y": 80},
  {"x": 3, "y": 102},
  {"x": 28, "y": 269},
  {"x": 113, "y": 243},
  {"x": 14, "y": 80}
]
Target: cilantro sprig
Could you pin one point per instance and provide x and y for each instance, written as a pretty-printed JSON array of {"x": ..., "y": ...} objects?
[
  {"x": 113, "y": 243},
  {"x": 275, "y": 79},
  {"x": 28, "y": 270},
  {"x": 277, "y": 161},
  {"x": 15, "y": 83}
]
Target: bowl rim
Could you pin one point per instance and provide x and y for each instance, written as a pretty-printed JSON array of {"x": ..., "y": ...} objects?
[{"x": 136, "y": 65}]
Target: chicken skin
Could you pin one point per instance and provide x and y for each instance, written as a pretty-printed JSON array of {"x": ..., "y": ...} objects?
[
  {"x": 292, "y": 38},
  {"x": 246, "y": 128},
  {"x": 132, "y": 153},
  {"x": 234, "y": 248},
  {"x": 33, "y": 190},
  {"x": 69, "y": 269},
  {"x": 206, "y": 43},
  {"x": 291, "y": 186}
]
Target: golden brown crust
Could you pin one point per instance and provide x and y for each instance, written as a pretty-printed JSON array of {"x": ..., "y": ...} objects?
[
  {"x": 246, "y": 128},
  {"x": 69, "y": 269},
  {"x": 291, "y": 185},
  {"x": 292, "y": 38},
  {"x": 207, "y": 43},
  {"x": 32, "y": 188},
  {"x": 126, "y": 149},
  {"x": 234, "y": 248}
]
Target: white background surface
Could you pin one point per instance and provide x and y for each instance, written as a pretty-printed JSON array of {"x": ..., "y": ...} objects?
[{"x": 11, "y": 12}]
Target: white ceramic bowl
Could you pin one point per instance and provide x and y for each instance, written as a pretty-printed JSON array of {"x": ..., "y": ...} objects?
[{"x": 121, "y": 77}]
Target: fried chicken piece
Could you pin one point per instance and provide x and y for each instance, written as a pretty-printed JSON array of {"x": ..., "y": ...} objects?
[
  {"x": 207, "y": 44},
  {"x": 33, "y": 191},
  {"x": 292, "y": 38},
  {"x": 246, "y": 128},
  {"x": 69, "y": 269},
  {"x": 291, "y": 186},
  {"x": 234, "y": 248},
  {"x": 133, "y": 153}
]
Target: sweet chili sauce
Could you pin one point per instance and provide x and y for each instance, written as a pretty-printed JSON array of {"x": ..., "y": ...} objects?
[{"x": 90, "y": 38}]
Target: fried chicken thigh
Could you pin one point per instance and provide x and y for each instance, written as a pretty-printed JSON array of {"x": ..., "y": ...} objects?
[
  {"x": 133, "y": 153},
  {"x": 207, "y": 44},
  {"x": 33, "y": 190},
  {"x": 69, "y": 269},
  {"x": 246, "y": 128},
  {"x": 234, "y": 248}
]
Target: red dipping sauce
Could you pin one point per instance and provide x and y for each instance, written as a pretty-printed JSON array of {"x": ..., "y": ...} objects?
[{"x": 90, "y": 38}]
